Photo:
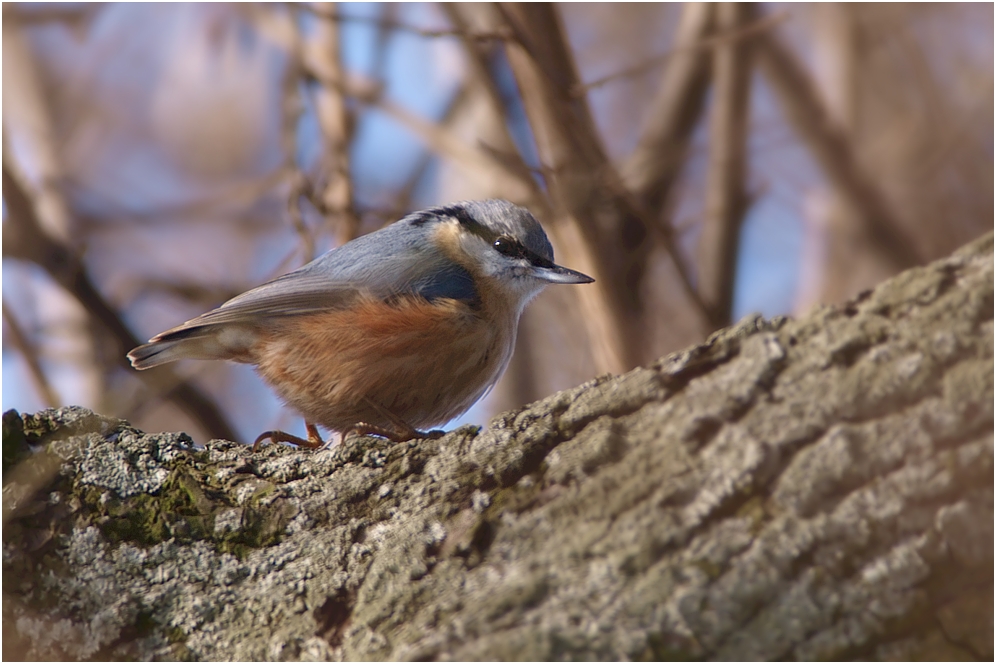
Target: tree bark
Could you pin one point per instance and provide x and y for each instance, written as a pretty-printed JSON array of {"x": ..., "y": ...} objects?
[{"x": 801, "y": 489}]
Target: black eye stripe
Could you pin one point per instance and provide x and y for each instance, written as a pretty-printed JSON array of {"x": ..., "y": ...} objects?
[{"x": 538, "y": 260}]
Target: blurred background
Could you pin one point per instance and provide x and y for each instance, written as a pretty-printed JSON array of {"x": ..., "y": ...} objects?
[{"x": 703, "y": 162}]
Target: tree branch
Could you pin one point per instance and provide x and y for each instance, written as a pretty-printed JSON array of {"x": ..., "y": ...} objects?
[
  {"x": 654, "y": 165},
  {"x": 600, "y": 224},
  {"x": 480, "y": 72},
  {"x": 828, "y": 143},
  {"x": 702, "y": 43},
  {"x": 812, "y": 489},
  {"x": 332, "y": 15},
  {"x": 30, "y": 355},
  {"x": 323, "y": 56},
  {"x": 726, "y": 195}
]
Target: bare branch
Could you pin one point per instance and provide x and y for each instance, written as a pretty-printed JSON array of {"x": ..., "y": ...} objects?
[
  {"x": 300, "y": 187},
  {"x": 702, "y": 44},
  {"x": 600, "y": 224},
  {"x": 726, "y": 196},
  {"x": 568, "y": 144},
  {"x": 448, "y": 144},
  {"x": 30, "y": 355},
  {"x": 437, "y": 137},
  {"x": 654, "y": 165},
  {"x": 332, "y": 15},
  {"x": 480, "y": 73},
  {"x": 323, "y": 57},
  {"x": 403, "y": 199},
  {"x": 804, "y": 109},
  {"x": 285, "y": 25},
  {"x": 76, "y": 16},
  {"x": 25, "y": 239}
]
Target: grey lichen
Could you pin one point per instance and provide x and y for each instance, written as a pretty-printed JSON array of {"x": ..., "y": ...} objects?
[{"x": 811, "y": 489}]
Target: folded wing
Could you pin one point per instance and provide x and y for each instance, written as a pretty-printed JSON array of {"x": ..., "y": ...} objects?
[{"x": 396, "y": 261}]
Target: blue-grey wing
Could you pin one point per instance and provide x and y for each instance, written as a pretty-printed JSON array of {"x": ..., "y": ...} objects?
[{"x": 397, "y": 260}]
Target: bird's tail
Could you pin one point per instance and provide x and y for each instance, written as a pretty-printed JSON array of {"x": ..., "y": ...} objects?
[{"x": 205, "y": 342}]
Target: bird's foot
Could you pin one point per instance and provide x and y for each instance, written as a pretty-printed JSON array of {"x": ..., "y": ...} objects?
[
  {"x": 399, "y": 435},
  {"x": 395, "y": 435},
  {"x": 313, "y": 442},
  {"x": 398, "y": 432}
]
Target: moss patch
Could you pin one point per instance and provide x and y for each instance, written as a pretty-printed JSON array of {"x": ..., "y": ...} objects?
[{"x": 187, "y": 508}]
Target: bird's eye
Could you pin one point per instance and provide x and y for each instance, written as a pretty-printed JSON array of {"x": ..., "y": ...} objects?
[{"x": 507, "y": 246}]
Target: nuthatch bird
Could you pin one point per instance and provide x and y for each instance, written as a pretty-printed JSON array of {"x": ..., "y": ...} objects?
[{"x": 399, "y": 330}]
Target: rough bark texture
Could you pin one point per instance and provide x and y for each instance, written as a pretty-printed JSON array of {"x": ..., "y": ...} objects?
[{"x": 815, "y": 489}]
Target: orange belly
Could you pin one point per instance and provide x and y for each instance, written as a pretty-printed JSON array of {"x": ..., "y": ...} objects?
[{"x": 423, "y": 362}]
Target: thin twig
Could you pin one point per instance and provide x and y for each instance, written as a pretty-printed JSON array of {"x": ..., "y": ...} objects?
[
  {"x": 403, "y": 199},
  {"x": 439, "y": 138},
  {"x": 285, "y": 24},
  {"x": 506, "y": 150},
  {"x": 447, "y": 143},
  {"x": 332, "y": 15},
  {"x": 30, "y": 355},
  {"x": 78, "y": 16},
  {"x": 191, "y": 291},
  {"x": 300, "y": 187},
  {"x": 382, "y": 40},
  {"x": 720, "y": 39}
]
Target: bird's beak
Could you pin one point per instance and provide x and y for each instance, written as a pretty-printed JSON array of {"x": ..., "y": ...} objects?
[{"x": 561, "y": 275}]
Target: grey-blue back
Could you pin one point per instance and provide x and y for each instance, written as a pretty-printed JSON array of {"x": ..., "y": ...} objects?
[{"x": 399, "y": 259}]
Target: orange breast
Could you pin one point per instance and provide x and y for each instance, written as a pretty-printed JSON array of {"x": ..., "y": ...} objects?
[{"x": 425, "y": 362}]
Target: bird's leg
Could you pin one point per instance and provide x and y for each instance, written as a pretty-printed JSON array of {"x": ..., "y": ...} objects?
[{"x": 313, "y": 442}]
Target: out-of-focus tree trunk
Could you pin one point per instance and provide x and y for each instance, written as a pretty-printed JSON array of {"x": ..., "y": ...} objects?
[
  {"x": 839, "y": 261},
  {"x": 26, "y": 240},
  {"x": 482, "y": 122},
  {"x": 878, "y": 226},
  {"x": 726, "y": 186},
  {"x": 576, "y": 177}
]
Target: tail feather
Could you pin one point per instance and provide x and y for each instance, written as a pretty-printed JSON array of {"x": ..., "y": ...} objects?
[
  {"x": 208, "y": 342},
  {"x": 154, "y": 354}
]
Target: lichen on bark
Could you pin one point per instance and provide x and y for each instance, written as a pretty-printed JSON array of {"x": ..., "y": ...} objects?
[{"x": 818, "y": 488}]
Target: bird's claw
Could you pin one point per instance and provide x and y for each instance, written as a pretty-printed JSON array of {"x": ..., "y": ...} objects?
[{"x": 313, "y": 442}]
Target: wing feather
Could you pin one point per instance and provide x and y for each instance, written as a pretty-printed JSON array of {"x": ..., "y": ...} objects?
[{"x": 397, "y": 260}]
